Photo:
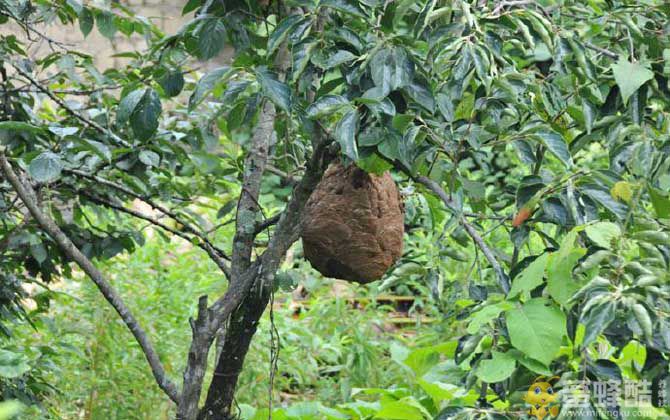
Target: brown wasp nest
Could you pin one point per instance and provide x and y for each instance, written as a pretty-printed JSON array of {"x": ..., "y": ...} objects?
[{"x": 353, "y": 225}]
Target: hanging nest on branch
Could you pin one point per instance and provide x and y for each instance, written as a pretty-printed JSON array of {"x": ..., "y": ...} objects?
[{"x": 353, "y": 225}]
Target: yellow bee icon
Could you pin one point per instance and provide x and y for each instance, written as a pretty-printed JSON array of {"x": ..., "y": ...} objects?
[{"x": 542, "y": 398}]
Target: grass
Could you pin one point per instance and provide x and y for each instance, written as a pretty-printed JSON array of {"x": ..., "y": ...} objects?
[{"x": 326, "y": 351}]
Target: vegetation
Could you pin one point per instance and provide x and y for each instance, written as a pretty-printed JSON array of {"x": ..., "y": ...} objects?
[{"x": 151, "y": 213}]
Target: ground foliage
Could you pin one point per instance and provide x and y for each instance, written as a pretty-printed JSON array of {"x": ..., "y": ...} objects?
[{"x": 545, "y": 122}]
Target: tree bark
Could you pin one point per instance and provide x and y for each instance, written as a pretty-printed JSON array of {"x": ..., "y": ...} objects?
[
  {"x": 236, "y": 340},
  {"x": 244, "y": 321}
]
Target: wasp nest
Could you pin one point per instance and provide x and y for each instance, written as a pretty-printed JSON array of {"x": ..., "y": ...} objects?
[{"x": 353, "y": 225}]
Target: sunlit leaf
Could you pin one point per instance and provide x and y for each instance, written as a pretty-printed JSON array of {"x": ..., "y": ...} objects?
[
  {"x": 498, "y": 368},
  {"x": 531, "y": 277},
  {"x": 630, "y": 76},
  {"x": 537, "y": 329}
]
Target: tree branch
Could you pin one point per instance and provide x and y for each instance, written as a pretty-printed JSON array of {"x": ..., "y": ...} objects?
[
  {"x": 261, "y": 226},
  {"x": 287, "y": 177},
  {"x": 260, "y": 273},
  {"x": 27, "y": 195},
  {"x": 433, "y": 186},
  {"x": 87, "y": 122},
  {"x": 245, "y": 273},
  {"x": 247, "y": 206},
  {"x": 206, "y": 246},
  {"x": 156, "y": 206},
  {"x": 287, "y": 232}
]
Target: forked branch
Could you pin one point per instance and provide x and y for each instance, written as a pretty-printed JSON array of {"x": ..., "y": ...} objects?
[
  {"x": 187, "y": 227},
  {"x": 433, "y": 186},
  {"x": 214, "y": 253}
]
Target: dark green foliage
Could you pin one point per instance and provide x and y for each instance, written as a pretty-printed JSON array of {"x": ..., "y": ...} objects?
[{"x": 552, "y": 111}]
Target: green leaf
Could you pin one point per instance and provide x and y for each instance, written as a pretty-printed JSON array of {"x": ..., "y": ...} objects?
[
  {"x": 348, "y": 36},
  {"x": 589, "y": 111},
  {"x": 127, "y": 106},
  {"x": 496, "y": 369},
  {"x": 422, "y": 20},
  {"x": 326, "y": 105},
  {"x": 602, "y": 233},
  {"x": 530, "y": 364},
  {"x": 345, "y": 134},
  {"x": 605, "y": 199},
  {"x": 531, "y": 276},
  {"x": 46, "y": 167},
  {"x": 302, "y": 54},
  {"x": 556, "y": 145},
  {"x": 13, "y": 365},
  {"x": 596, "y": 320},
  {"x": 373, "y": 163},
  {"x": 661, "y": 202},
  {"x": 75, "y": 4},
  {"x": 211, "y": 36},
  {"x": 149, "y": 158},
  {"x": 144, "y": 118},
  {"x": 172, "y": 83},
  {"x": 39, "y": 252},
  {"x": 100, "y": 149},
  {"x": 421, "y": 95},
  {"x": 399, "y": 410},
  {"x": 226, "y": 209},
  {"x": 340, "y": 57},
  {"x": 105, "y": 23},
  {"x": 86, "y": 21},
  {"x": 63, "y": 131},
  {"x": 20, "y": 127},
  {"x": 273, "y": 89},
  {"x": 190, "y": 6},
  {"x": 281, "y": 32},
  {"x": 206, "y": 84},
  {"x": 629, "y": 77},
  {"x": 644, "y": 320},
  {"x": 486, "y": 315},
  {"x": 10, "y": 409},
  {"x": 561, "y": 284},
  {"x": 537, "y": 329},
  {"x": 343, "y": 6},
  {"x": 438, "y": 391},
  {"x": 391, "y": 69},
  {"x": 421, "y": 360}
]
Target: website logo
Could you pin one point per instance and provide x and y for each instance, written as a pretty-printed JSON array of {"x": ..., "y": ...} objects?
[{"x": 542, "y": 398}]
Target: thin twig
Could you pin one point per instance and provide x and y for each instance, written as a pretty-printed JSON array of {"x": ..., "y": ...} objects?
[
  {"x": 266, "y": 223},
  {"x": 206, "y": 246},
  {"x": 40, "y": 34},
  {"x": 601, "y": 50},
  {"x": 476, "y": 237},
  {"x": 507, "y": 3},
  {"x": 89, "y": 123},
  {"x": 156, "y": 206}
]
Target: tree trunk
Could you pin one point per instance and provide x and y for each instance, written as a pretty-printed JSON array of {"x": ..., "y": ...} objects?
[{"x": 236, "y": 341}]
